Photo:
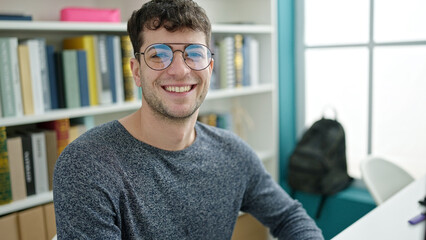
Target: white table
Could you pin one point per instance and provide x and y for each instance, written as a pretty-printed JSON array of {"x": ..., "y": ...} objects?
[{"x": 390, "y": 219}]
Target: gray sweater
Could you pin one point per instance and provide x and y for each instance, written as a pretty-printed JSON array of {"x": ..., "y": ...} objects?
[{"x": 109, "y": 185}]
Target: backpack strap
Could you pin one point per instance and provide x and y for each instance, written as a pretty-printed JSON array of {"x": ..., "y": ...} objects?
[{"x": 320, "y": 206}]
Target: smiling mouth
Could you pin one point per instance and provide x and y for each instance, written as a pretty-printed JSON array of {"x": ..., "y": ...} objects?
[{"x": 178, "y": 89}]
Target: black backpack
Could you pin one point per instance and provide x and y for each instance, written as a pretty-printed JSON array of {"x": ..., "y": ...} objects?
[{"x": 318, "y": 162}]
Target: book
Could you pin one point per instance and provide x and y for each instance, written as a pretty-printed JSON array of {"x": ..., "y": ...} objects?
[
  {"x": 51, "y": 67},
  {"x": 60, "y": 82},
  {"x": 8, "y": 79},
  {"x": 50, "y": 222},
  {"x": 104, "y": 83},
  {"x": 16, "y": 164},
  {"x": 15, "y": 17},
  {"x": 111, "y": 66},
  {"x": 253, "y": 60},
  {"x": 51, "y": 154},
  {"x": 25, "y": 76},
  {"x": 39, "y": 161},
  {"x": 238, "y": 60},
  {"x": 83, "y": 78},
  {"x": 130, "y": 88},
  {"x": 5, "y": 186},
  {"x": 16, "y": 79},
  {"x": 227, "y": 66},
  {"x": 44, "y": 73},
  {"x": 61, "y": 127},
  {"x": 86, "y": 43},
  {"x": 118, "y": 69},
  {"x": 27, "y": 153},
  {"x": 71, "y": 81},
  {"x": 36, "y": 77},
  {"x": 32, "y": 224},
  {"x": 9, "y": 228}
]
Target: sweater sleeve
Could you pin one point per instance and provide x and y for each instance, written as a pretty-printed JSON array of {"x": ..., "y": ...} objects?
[
  {"x": 271, "y": 205},
  {"x": 84, "y": 205}
]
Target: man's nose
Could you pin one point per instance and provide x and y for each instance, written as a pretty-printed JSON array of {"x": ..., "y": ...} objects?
[{"x": 178, "y": 65}]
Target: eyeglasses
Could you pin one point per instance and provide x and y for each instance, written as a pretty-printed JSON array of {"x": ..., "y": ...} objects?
[{"x": 159, "y": 56}]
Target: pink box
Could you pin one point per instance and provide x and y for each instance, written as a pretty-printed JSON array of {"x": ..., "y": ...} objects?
[{"x": 78, "y": 14}]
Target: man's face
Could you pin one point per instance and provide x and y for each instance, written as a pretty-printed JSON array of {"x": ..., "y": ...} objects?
[{"x": 177, "y": 91}]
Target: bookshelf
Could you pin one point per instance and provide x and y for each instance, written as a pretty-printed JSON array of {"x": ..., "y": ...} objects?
[{"x": 258, "y": 103}]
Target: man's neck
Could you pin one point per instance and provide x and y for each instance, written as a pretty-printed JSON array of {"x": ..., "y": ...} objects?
[{"x": 160, "y": 132}]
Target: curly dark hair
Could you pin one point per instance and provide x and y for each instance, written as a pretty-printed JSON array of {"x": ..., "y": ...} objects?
[{"x": 173, "y": 15}]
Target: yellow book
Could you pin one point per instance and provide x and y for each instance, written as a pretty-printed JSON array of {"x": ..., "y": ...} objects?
[
  {"x": 130, "y": 89},
  {"x": 86, "y": 43},
  {"x": 26, "y": 82}
]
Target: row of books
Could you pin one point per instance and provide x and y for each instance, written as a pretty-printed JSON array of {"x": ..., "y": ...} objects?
[
  {"x": 28, "y": 156},
  {"x": 37, "y": 223},
  {"x": 236, "y": 62},
  {"x": 89, "y": 70},
  {"x": 220, "y": 120}
]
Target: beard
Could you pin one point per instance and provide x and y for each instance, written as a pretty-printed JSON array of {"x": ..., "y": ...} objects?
[{"x": 160, "y": 108}]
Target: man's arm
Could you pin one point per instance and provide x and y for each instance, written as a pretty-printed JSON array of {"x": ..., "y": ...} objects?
[
  {"x": 84, "y": 207},
  {"x": 272, "y": 206}
]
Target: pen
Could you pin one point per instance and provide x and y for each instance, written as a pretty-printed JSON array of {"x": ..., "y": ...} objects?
[{"x": 417, "y": 219}]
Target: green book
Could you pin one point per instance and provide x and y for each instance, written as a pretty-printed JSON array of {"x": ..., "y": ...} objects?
[
  {"x": 71, "y": 81},
  {"x": 5, "y": 187},
  {"x": 6, "y": 80}
]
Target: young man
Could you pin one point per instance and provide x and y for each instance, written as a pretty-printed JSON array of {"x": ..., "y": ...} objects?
[{"x": 158, "y": 173}]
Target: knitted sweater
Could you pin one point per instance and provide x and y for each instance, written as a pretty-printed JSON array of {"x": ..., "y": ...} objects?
[{"x": 109, "y": 185}]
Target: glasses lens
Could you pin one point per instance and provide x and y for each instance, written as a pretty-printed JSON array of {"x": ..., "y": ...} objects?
[
  {"x": 197, "y": 56},
  {"x": 158, "y": 56}
]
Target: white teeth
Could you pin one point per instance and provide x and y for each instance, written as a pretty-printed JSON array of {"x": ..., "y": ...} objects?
[{"x": 178, "y": 89}]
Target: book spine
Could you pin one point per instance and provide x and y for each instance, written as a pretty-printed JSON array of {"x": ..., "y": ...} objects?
[
  {"x": 13, "y": 55},
  {"x": 127, "y": 54},
  {"x": 238, "y": 60},
  {"x": 111, "y": 66},
  {"x": 118, "y": 66},
  {"x": 25, "y": 75},
  {"x": 6, "y": 81},
  {"x": 51, "y": 66},
  {"x": 60, "y": 84},
  {"x": 37, "y": 84},
  {"x": 51, "y": 153},
  {"x": 71, "y": 81},
  {"x": 104, "y": 87},
  {"x": 83, "y": 78},
  {"x": 254, "y": 61},
  {"x": 44, "y": 73},
  {"x": 28, "y": 164},
  {"x": 227, "y": 66},
  {"x": 16, "y": 164},
  {"x": 5, "y": 187},
  {"x": 40, "y": 162}
]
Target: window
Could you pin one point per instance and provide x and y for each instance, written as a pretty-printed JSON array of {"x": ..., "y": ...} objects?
[{"x": 367, "y": 60}]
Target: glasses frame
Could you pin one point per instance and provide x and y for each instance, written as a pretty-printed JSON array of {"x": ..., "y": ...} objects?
[{"x": 173, "y": 51}]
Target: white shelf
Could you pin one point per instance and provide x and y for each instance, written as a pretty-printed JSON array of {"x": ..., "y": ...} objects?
[
  {"x": 56, "y": 26},
  {"x": 236, "y": 92},
  {"x": 28, "y": 202},
  {"x": 122, "y": 107}
]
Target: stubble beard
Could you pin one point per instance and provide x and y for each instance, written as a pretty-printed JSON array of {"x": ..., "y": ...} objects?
[{"x": 160, "y": 109}]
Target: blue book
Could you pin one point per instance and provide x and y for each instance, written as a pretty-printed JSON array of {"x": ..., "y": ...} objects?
[
  {"x": 111, "y": 66},
  {"x": 51, "y": 66},
  {"x": 16, "y": 17},
  {"x": 83, "y": 78}
]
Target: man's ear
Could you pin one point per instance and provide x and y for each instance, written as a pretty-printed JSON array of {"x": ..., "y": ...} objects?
[{"x": 135, "y": 67}]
